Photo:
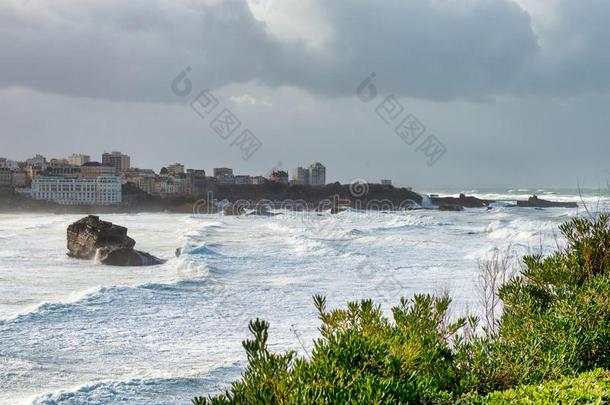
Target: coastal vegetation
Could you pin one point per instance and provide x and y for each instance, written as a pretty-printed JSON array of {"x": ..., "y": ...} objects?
[{"x": 551, "y": 343}]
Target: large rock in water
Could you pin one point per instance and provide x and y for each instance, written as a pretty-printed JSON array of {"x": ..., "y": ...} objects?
[
  {"x": 534, "y": 201},
  {"x": 90, "y": 237}
]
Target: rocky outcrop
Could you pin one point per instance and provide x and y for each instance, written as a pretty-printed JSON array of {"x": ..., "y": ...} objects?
[
  {"x": 91, "y": 237},
  {"x": 234, "y": 209},
  {"x": 464, "y": 201},
  {"x": 314, "y": 197},
  {"x": 450, "y": 207},
  {"x": 536, "y": 202}
]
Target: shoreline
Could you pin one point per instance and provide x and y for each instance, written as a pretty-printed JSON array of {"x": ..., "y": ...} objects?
[{"x": 238, "y": 199}]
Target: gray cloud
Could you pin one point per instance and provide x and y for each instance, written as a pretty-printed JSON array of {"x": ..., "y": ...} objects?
[
  {"x": 124, "y": 50},
  {"x": 68, "y": 67},
  {"x": 429, "y": 50},
  {"x": 576, "y": 58},
  {"x": 421, "y": 48}
]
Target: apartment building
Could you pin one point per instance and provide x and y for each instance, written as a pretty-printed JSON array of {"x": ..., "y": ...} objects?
[
  {"x": 104, "y": 190},
  {"x": 279, "y": 176},
  {"x": 37, "y": 161},
  {"x": 118, "y": 160},
  {"x": 317, "y": 174},
  {"x": 93, "y": 170},
  {"x": 300, "y": 175},
  {"x": 259, "y": 180},
  {"x": 222, "y": 171},
  {"x": 243, "y": 179},
  {"x": 175, "y": 169},
  {"x": 144, "y": 179},
  {"x": 197, "y": 183},
  {"x": 78, "y": 159},
  {"x": 169, "y": 185},
  {"x": 5, "y": 177},
  {"x": 63, "y": 170}
]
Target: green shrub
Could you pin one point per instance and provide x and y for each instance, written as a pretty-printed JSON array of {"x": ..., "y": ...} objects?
[
  {"x": 361, "y": 358},
  {"x": 588, "y": 388},
  {"x": 556, "y": 323},
  {"x": 556, "y": 318}
]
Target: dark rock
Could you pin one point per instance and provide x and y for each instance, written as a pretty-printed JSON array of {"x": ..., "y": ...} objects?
[
  {"x": 450, "y": 207},
  {"x": 90, "y": 237},
  {"x": 337, "y": 209},
  {"x": 178, "y": 252},
  {"x": 130, "y": 257},
  {"x": 463, "y": 201},
  {"x": 314, "y": 197},
  {"x": 534, "y": 201},
  {"x": 235, "y": 209}
]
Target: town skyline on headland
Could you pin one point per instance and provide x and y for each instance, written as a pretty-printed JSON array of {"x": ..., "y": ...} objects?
[{"x": 80, "y": 180}]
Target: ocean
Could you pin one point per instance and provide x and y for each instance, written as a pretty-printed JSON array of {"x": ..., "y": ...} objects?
[{"x": 79, "y": 332}]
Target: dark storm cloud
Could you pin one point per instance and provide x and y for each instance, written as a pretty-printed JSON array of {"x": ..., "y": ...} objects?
[
  {"x": 131, "y": 50},
  {"x": 125, "y": 50},
  {"x": 425, "y": 50},
  {"x": 575, "y": 58}
]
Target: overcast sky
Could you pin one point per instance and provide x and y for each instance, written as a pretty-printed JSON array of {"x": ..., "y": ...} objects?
[{"x": 515, "y": 91}]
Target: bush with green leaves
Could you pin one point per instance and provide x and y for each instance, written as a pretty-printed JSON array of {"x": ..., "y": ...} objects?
[
  {"x": 555, "y": 324},
  {"x": 556, "y": 318},
  {"x": 592, "y": 387}
]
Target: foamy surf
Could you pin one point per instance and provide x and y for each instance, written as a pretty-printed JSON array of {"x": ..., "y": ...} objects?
[{"x": 78, "y": 332}]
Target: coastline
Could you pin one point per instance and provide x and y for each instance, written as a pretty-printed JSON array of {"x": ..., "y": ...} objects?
[
  {"x": 235, "y": 199},
  {"x": 229, "y": 269}
]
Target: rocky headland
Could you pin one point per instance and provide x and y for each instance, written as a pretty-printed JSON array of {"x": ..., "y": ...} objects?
[
  {"x": 234, "y": 199},
  {"x": 459, "y": 203}
]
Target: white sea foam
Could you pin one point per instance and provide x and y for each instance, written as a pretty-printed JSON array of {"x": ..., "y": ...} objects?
[{"x": 78, "y": 332}]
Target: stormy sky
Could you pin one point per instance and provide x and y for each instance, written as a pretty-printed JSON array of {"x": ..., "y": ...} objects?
[{"x": 510, "y": 93}]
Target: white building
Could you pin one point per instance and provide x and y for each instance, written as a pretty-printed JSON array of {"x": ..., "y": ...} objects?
[
  {"x": 37, "y": 161},
  {"x": 317, "y": 174},
  {"x": 5, "y": 177},
  {"x": 259, "y": 180},
  {"x": 226, "y": 179},
  {"x": 169, "y": 185},
  {"x": 175, "y": 169},
  {"x": 77, "y": 159},
  {"x": 11, "y": 164},
  {"x": 386, "y": 182},
  {"x": 104, "y": 190},
  {"x": 300, "y": 175},
  {"x": 243, "y": 179}
]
